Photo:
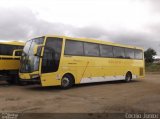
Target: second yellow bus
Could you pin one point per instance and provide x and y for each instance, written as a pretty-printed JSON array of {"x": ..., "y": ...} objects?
[{"x": 10, "y": 53}]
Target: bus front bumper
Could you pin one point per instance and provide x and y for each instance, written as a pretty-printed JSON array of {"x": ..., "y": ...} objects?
[
  {"x": 32, "y": 81},
  {"x": 26, "y": 77}
]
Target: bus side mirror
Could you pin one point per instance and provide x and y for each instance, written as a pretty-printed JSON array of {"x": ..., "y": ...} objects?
[
  {"x": 17, "y": 52},
  {"x": 37, "y": 50}
]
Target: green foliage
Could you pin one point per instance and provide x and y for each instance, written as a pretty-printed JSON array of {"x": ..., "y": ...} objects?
[
  {"x": 150, "y": 67},
  {"x": 148, "y": 54}
]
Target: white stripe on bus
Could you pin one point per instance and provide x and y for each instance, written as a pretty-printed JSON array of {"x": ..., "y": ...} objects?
[{"x": 105, "y": 78}]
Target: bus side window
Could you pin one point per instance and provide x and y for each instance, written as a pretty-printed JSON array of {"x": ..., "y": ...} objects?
[
  {"x": 118, "y": 52},
  {"x": 6, "y": 49},
  {"x": 106, "y": 51},
  {"x": 18, "y": 53},
  {"x": 91, "y": 49},
  {"x": 73, "y": 48},
  {"x": 129, "y": 53},
  {"x": 138, "y": 54}
]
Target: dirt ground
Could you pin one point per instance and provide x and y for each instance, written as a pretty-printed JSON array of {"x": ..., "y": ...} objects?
[{"x": 141, "y": 95}]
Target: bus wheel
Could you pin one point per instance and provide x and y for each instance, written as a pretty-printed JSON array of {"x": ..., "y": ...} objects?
[
  {"x": 16, "y": 81},
  {"x": 10, "y": 81},
  {"x": 20, "y": 83},
  {"x": 128, "y": 77},
  {"x": 67, "y": 81}
]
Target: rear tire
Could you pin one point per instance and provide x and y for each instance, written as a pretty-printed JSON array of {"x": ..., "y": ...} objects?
[
  {"x": 67, "y": 82},
  {"x": 128, "y": 77},
  {"x": 10, "y": 81},
  {"x": 14, "y": 80}
]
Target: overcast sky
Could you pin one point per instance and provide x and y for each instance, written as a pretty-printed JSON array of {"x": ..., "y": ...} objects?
[{"x": 133, "y": 22}]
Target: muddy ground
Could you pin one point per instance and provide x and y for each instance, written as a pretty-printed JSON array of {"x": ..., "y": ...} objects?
[{"x": 141, "y": 95}]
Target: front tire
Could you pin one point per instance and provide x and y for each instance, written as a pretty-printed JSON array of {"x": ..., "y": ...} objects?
[{"x": 67, "y": 81}]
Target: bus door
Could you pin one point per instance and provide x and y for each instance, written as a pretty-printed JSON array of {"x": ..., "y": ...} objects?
[{"x": 50, "y": 61}]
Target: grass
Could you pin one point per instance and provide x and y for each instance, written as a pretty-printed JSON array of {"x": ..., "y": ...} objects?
[{"x": 150, "y": 67}]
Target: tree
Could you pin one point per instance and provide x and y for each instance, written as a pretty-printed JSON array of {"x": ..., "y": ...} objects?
[{"x": 148, "y": 54}]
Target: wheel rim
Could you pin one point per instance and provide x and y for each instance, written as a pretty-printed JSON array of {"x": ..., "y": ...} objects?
[
  {"x": 65, "y": 82},
  {"x": 128, "y": 78}
]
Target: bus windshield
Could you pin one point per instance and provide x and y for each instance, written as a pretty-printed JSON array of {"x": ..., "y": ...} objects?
[{"x": 29, "y": 62}]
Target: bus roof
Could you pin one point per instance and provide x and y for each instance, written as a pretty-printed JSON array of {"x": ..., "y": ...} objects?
[
  {"x": 96, "y": 41},
  {"x": 13, "y": 43}
]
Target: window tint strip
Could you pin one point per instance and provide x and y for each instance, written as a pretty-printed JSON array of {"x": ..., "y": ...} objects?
[{"x": 82, "y": 48}]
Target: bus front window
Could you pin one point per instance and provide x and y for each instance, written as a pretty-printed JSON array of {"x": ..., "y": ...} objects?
[{"x": 29, "y": 62}]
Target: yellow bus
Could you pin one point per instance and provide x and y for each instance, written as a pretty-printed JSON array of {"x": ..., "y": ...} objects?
[
  {"x": 10, "y": 53},
  {"x": 65, "y": 61}
]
